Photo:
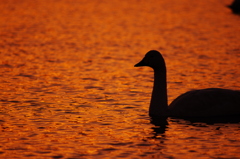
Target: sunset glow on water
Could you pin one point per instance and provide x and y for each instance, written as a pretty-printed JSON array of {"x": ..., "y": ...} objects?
[{"x": 69, "y": 88}]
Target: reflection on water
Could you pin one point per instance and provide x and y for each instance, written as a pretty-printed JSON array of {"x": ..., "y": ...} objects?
[{"x": 69, "y": 88}]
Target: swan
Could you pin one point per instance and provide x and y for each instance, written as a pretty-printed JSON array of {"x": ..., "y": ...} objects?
[{"x": 210, "y": 102}]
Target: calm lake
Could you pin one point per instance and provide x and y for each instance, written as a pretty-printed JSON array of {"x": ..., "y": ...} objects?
[{"x": 69, "y": 89}]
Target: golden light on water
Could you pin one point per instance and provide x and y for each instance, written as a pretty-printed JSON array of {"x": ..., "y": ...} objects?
[{"x": 69, "y": 88}]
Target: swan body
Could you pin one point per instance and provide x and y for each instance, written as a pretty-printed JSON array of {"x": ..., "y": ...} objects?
[{"x": 210, "y": 102}]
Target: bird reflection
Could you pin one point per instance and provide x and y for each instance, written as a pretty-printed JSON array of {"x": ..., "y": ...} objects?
[
  {"x": 214, "y": 120},
  {"x": 160, "y": 126},
  {"x": 161, "y": 123}
]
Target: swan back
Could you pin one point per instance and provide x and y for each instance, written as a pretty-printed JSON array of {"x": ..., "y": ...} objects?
[{"x": 206, "y": 102}]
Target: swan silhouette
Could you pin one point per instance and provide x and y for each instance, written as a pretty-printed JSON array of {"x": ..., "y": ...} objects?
[{"x": 210, "y": 102}]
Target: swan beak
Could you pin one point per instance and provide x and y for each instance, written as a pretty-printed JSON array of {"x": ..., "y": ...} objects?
[{"x": 141, "y": 63}]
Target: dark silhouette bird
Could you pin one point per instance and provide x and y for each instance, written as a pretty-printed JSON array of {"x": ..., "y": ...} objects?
[
  {"x": 211, "y": 102},
  {"x": 235, "y": 6}
]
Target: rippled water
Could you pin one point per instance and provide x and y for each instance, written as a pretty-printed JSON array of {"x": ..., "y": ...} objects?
[{"x": 69, "y": 88}]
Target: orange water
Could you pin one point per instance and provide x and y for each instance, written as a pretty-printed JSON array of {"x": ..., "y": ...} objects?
[{"x": 69, "y": 88}]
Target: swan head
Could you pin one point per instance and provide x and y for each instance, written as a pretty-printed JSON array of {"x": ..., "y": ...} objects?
[{"x": 152, "y": 59}]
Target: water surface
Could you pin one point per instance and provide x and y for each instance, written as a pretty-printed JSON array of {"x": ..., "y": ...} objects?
[{"x": 69, "y": 88}]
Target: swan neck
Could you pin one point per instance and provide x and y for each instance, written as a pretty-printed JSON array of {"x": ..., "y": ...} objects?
[{"x": 159, "y": 104}]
